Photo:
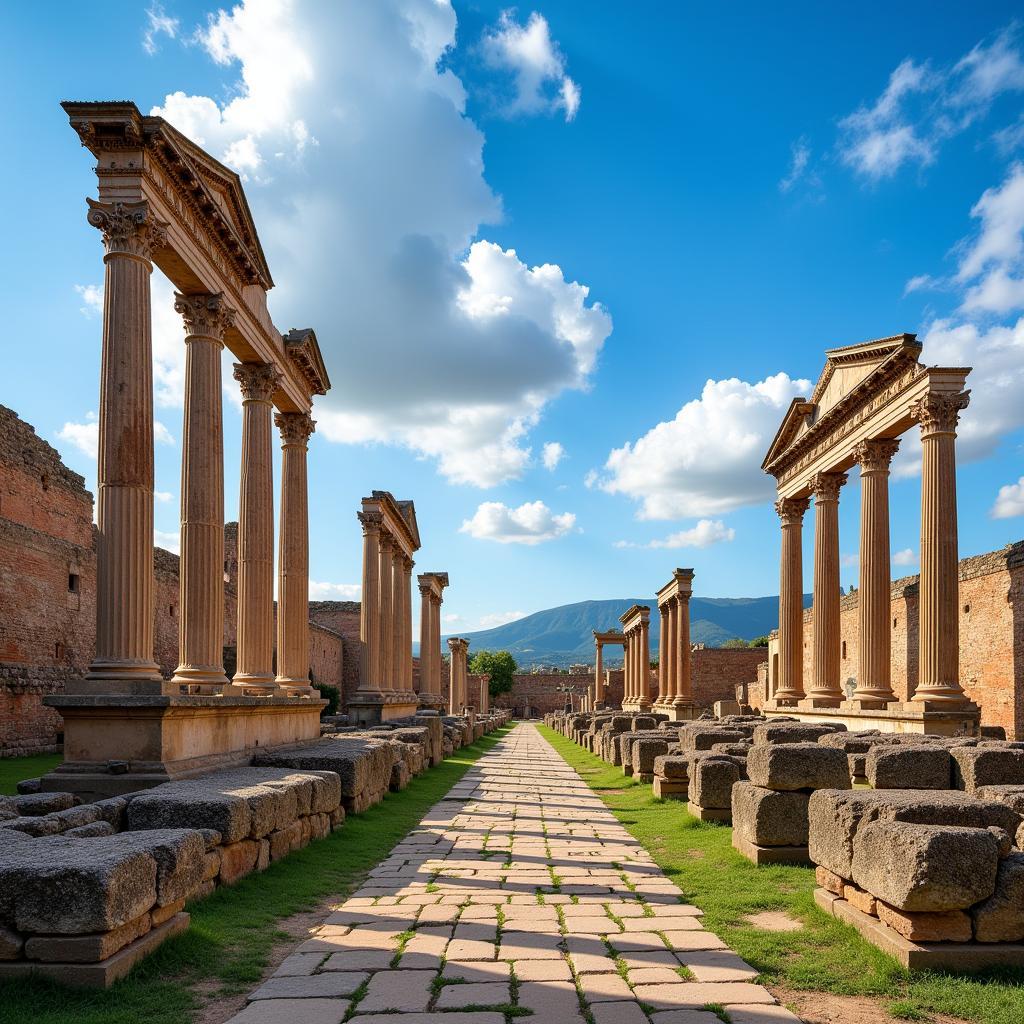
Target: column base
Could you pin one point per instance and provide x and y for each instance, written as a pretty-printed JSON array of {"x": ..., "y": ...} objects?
[
  {"x": 209, "y": 679},
  {"x": 868, "y": 703},
  {"x": 372, "y": 707},
  {"x": 430, "y": 702},
  {"x": 97, "y": 685},
  {"x": 895, "y": 717},
  {"x": 814, "y": 700},
  {"x": 682, "y": 710},
  {"x": 783, "y": 703}
]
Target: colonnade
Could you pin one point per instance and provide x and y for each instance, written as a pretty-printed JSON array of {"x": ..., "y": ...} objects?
[
  {"x": 596, "y": 700},
  {"x": 432, "y": 585},
  {"x": 457, "y": 679},
  {"x": 938, "y": 684},
  {"x": 674, "y": 680},
  {"x": 637, "y": 658},
  {"x": 124, "y": 661}
]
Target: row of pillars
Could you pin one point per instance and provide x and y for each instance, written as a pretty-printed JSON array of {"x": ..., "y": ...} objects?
[
  {"x": 431, "y": 592},
  {"x": 674, "y": 680},
  {"x": 637, "y": 664},
  {"x": 939, "y": 640},
  {"x": 124, "y": 660}
]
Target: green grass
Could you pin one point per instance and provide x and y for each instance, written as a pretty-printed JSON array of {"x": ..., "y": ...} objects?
[
  {"x": 14, "y": 769},
  {"x": 232, "y": 933},
  {"x": 825, "y": 955}
]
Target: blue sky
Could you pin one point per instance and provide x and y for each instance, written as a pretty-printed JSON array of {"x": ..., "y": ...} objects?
[{"x": 736, "y": 189}]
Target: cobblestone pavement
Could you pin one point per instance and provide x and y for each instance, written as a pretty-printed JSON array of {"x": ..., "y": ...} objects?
[{"x": 518, "y": 890}]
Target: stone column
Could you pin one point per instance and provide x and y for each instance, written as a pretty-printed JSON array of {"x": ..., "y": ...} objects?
[
  {"x": 681, "y": 655},
  {"x": 426, "y": 639},
  {"x": 598, "y": 672},
  {"x": 123, "y": 661},
  {"x": 825, "y": 689},
  {"x": 201, "y": 563},
  {"x": 874, "y": 604},
  {"x": 627, "y": 668},
  {"x": 406, "y": 567},
  {"x": 435, "y": 648},
  {"x": 671, "y": 650},
  {"x": 645, "y": 665},
  {"x": 293, "y": 555},
  {"x": 791, "y": 601},
  {"x": 485, "y": 695},
  {"x": 371, "y": 675},
  {"x": 255, "y": 644},
  {"x": 939, "y": 671},
  {"x": 387, "y": 613},
  {"x": 664, "y": 682},
  {"x": 453, "y": 676}
]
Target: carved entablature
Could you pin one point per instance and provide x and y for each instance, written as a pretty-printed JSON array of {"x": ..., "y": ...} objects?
[
  {"x": 611, "y": 636},
  {"x": 679, "y": 589},
  {"x": 432, "y": 584},
  {"x": 635, "y": 618},
  {"x": 304, "y": 352},
  {"x": 866, "y": 392},
  {"x": 397, "y": 520}
]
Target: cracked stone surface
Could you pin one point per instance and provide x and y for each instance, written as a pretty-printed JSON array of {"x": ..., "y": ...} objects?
[{"x": 519, "y": 888}]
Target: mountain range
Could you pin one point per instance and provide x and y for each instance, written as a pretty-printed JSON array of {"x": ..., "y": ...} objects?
[{"x": 564, "y": 636}]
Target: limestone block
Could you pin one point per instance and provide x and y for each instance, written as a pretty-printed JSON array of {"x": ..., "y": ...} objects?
[
  {"x": 834, "y": 816},
  {"x": 1003, "y": 839},
  {"x": 852, "y": 742},
  {"x": 211, "y": 837},
  {"x": 858, "y": 765},
  {"x": 703, "y": 737},
  {"x": 901, "y": 766},
  {"x": 925, "y": 867},
  {"x": 11, "y": 944},
  {"x": 793, "y": 732},
  {"x": 113, "y": 810},
  {"x": 1000, "y": 918},
  {"x": 34, "y": 804},
  {"x": 670, "y": 766},
  {"x": 711, "y": 782},
  {"x": 92, "y": 830},
  {"x": 8, "y": 808},
  {"x": 337, "y": 817},
  {"x": 399, "y": 777},
  {"x": 238, "y": 860},
  {"x": 829, "y": 881},
  {"x": 75, "y": 817},
  {"x": 86, "y": 949},
  {"x": 47, "y": 825},
  {"x": 987, "y": 766},
  {"x": 791, "y": 766},
  {"x": 645, "y": 752},
  {"x": 859, "y": 899},
  {"x": 738, "y": 749},
  {"x": 160, "y": 914},
  {"x": 179, "y": 854},
  {"x": 263, "y": 856},
  {"x": 766, "y": 817},
  {"x": 211, "y": 864},
  {"x": 942, "y": 926},
  {"x": 195, "y": 806}
]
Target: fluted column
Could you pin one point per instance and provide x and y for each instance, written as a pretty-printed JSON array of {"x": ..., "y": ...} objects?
[
  {"x": 293, "y": 555},
  {"x": 939, "y": 632},
  {"x": 123, "y": 661},
  {"x": 598, "y": 672},
  {"x": 435, "y": 647},
  {"x": 627, "y": 668},
  {"x": 791, "y": 600},
  {"x": 371, "y": 675},
  {"x": 255, "y": 659},
  {"x": 664, "y": 683},
  {"x": 407, "y": 566},
  {"x": 387, "y": 613},
  {"x": 874, "y": 669},
  {"x": 681, "y": 655},
  {"x": 201, "y": 562},
  {"x": 453, "y": 676},
  {"x": 825, "y": 689},
  {"x": 645, "y": 665},
  {"x": 671, "y": 642},
  {"x": 426, "y": 639}
]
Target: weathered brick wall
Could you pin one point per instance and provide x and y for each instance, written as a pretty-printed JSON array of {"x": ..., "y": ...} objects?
[
  {"x": 717, "y": 671},
  {"x": 342, "y": 618},
  {"x": 326, "y": 655},
  {"x": 991, "y": 636}
]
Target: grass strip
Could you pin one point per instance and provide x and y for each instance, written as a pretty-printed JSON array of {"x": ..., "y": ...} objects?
[
  {"x": 825, "y": 955},
  {"x": 232, "y": 933},
  {"x": 14, "y": 769}
]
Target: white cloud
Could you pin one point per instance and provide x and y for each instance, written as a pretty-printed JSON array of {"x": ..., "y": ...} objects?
[
  {"x": 367, "y": 181},
  {"x": 537, "y": 66},
  {"x": 334, "y": 591},
  {"x": 919, "y": 283},
  {"x": 1009, "y": 501},
  {"x": 707, "y": 460},
  {"x": 552, "y": 454},
  {"x": 531, "y": 523},
  {"x": 168, "y": 540},
  {"x": 163, "y": 496},
  {"x": 705, "y": 534},
  {"x": 84, "y": 436},
  {"x": 161, "y": 435},
  {"x": 451, "y": 617},
  {"x": 798, "y": 167},
  {"x": 499, "y": 619},
  {"x": 158, "y": 23},
  {"x": 92, "y": 296},
  {"x": 849, "y": 561},
  {"x": 905, "y": 556},
  {"x": 1010, "y": 138}
]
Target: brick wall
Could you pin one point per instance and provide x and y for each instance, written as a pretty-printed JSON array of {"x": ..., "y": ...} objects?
[
  {"x": 717, "y": 671},
  {"x": 342, "y": 619}
]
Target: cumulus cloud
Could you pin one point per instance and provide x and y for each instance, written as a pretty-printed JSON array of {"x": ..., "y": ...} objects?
[
  {"x": 494, "y": 619},
  {"x": 158, "y": 23},
  {"x": 905, "y": 556},
  {"x": 334, "y": 591},
  {"x": 552, "y": 454},
  {"x": 366, "y": 179},
  {"x": 84, "y": 436},
  {"x": 705, "y": 534},
  {"x": 92, "y": 297},
  {"x": 1009, "y": 501},
  {"x": 799, "y": 168},
  {"x": 922, "y": 106},
  {"x": 531, "y": 523},
  {"x": 163, "y": 496},
  {"x": 168, "y": 540},
  {"x": 707, "y": 460},
  {"x": 920, "y": 282},
  {"x": 161, "y": 434},
  {"x": 535, "y": 63}
]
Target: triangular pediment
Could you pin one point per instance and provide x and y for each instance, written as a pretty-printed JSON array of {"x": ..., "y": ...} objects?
[{"x": 846, "y": 367}]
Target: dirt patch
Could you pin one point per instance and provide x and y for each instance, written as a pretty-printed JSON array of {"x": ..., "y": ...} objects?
[
  {"x": 218, "y": 1008},
  {"x": 774, "y": 921},
  {"x": 824, "y": 1008},
  {"x": 695, "y": 854}
]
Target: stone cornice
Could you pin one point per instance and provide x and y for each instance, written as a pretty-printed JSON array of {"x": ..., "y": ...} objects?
[
  {"x": 634, "y": 616},
  {"x": 679, "y": 587},
  {"x": 611, "y": 636},
  {"x": 304, "y": 352},
  {"x": 398, "y": 518}
]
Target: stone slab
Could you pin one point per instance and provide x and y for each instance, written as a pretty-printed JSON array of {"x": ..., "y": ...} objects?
[{"x": 769, "y": 854}]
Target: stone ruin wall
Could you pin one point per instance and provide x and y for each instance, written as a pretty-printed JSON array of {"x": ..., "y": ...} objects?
[
  {"x": 717, "y": 671},
  {"x": 341, "y": 618}
]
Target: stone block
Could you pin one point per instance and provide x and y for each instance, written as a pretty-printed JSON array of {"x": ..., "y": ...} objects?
[
  {"x": 180, "y": 856},
  {"x": 1000, "y": 918},
  {"x": 900, "y": 766},
  {"x": 645, "y": 752},
  {"x": 33, "y": 805},
  {"x": 795, "y": 766},
  {"x": 852, "y": 742},
  {"x": 769, "y": 818},
  {"x": 925, "y": 867},
  {"x": 11, "y": 944},
  {"x": 834, "y": 816},
  {"x": 670, "y": 789},
  {"x": 91, "y": 831},
  {"x": 211, "y": 864},
  {"x": 858, "y": 898},
  {"x": 672, "y": 766},
  {"x": 703, "y": 737},
  {"x": 793, "y": 732},
  {"x": 1012, "y": 796},
  {"x": 238, "y": 860},
  {"x": 711, "y": 782},
  {"x": 86, "y": 949},
  {"x": 941, "y": 926},
  {"x": 974, "y": 767},
  {"x": 828, "y": 880}
]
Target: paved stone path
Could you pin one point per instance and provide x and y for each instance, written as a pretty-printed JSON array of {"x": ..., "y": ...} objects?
[{"x": 518, "y": 889}]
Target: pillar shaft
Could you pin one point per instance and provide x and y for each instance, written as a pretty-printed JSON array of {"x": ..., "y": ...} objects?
[
  {"x": 123, "y": 661},
  {"x": 426, "y": 641},
  {"x": 664, "y": 682},
  {"x": 825, "y": 689},
  {"x": 406, "y": 567},
  {"x": 791, "y": 600},
  {"x": 598, "y": 673},
  {"x": 645, "y": 665},
  {"x": 201, "y": 562},
  {"x": 369, "y": 611},
  {"x": 255, "y": 643},
  {"x": 387, "y": 613},
  {"x": 684, "y": 684},
  {"x": 671, "y": 642},
  {"x": 939, "y": 673},
  {"x": 874, "y": 671},
  {"x": 293, "y": 554}
]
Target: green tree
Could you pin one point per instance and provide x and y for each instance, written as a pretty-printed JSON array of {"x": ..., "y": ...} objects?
[
  {"x": 499, "y": 665},
  {"x": 759, "y": 641},
  {"x": 734, "y": 643}
]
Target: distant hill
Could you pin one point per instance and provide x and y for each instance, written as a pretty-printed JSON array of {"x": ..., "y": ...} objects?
[{"x": 564, "y": 636}]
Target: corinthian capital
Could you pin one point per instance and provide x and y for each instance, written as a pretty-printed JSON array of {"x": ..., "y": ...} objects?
[
  {"x": 205, "y": 315},
  {"x": 128, "y": 228},
  {"x": 295, "y": 427},
  {"x": 258, "y": 381},
  {"x": 791, "y": 510},
  {"x": 371, "y": 521},
  {"x": 939, "y": 412},
  {"x": 875, "y": 456},
  {"x": 826, "y": 486}
]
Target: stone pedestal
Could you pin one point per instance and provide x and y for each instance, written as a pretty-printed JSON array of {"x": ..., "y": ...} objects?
[
  {"x": 897, "y": 717},
  {"x": 375, "y": 708}
]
